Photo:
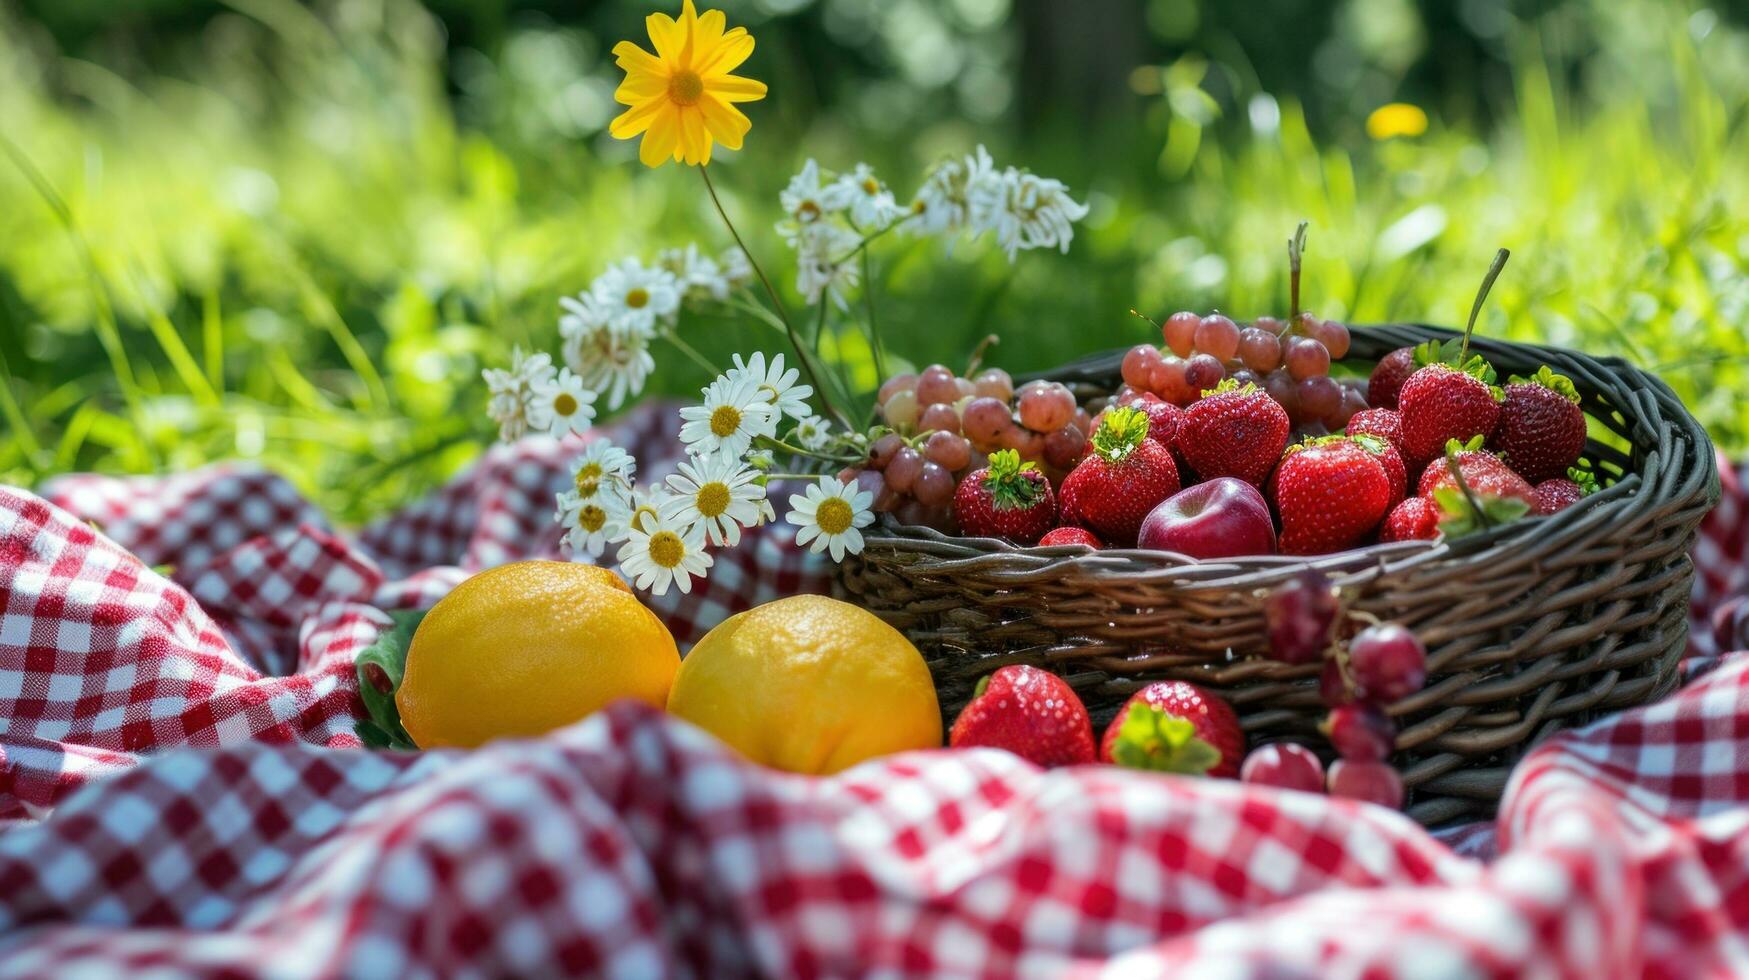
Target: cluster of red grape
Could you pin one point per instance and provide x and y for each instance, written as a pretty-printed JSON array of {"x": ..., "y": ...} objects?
[
  {"x": 944, "y": 426},
  {"x": 1378, "y": 665},
  {"x": 1289, "y": 360}
]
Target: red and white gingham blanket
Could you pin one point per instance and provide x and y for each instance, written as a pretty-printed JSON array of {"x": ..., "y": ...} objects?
[{"x": 633, "y": 845}]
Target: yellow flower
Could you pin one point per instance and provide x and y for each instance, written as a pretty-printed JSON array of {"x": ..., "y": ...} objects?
[
  {"x": 1396, "y": 119},
  {"x": 681, "y": 97}
]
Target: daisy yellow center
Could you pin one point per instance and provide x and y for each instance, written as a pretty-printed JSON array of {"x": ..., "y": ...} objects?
[
  {"x": 592, "y": 518},
  {"x": 870, "y": 186},
  {"x": 725, "y": 420},
  {"x": 642, "y": 514},
  {"x": 666, "y": 549},
  {"x": 638, "y": 297},
  {"x": 808, "y": 211},
  {"x": 713, "y": 499},
  {"x": 588, "y": 479},
  {"x": 833, "y": 516},
  {"x": 565, "y": 404},
  {"x": 918, "y": 207},
  {"x": 769, "y": 393},
  {"x": 685, "y": 87}
]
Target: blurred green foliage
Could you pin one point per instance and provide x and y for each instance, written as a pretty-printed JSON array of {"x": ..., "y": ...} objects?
[{"x": 263, "y": 230}]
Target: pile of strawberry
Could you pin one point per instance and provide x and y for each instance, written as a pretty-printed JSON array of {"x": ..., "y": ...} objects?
[
  {"x": 1177, "y": 727},
  {"x": 1430, "y": 444}
]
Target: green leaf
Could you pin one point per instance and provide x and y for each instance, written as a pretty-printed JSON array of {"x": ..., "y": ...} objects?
[
  {"x": 1547, "y": 378},
  {"x": 1457, "y": 518},
  {"x": 1121, "y": 432},
  {"x": 388, "y": 654},
  {"x": 1155, "y": 741},
  {"x": 1476, "y": 366},
  {"x": 1587, "y": 482},
  {"x": 1009, "y": 488}
]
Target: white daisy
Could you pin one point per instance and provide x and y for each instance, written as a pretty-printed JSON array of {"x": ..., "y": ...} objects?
[
  {"x": 806, "y": 200},
  {"x": 829, "y": 514},
  {"x": 699, "y": 275},
  {"x": 562, "y": 405},
  {"x": 734, "y": 267},
  {"x": 637, "y": 297},
  {"x": 588, "y": 521},
  {"x": 734, "y": 413},
  {"x": 813, "y": 432},
  {"x": 663, "y": 554},
  {"x": 513, "y": 391},
  {"x": 636, "y": 509},
  {"x": 776, "y": 386},
  {"x": 821, "y": 269},
  {"x": 601, "y": 467},
  {"x": 1025, "y": 211},
  {"x": 718, "y": 493},
  {"x": 609, "y": 359},
  {"x": 871, "y": 204},
  {"x": 943, "y": 204}
]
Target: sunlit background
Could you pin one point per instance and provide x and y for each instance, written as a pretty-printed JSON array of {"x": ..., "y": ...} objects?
[{"x": 295, "y": 233}]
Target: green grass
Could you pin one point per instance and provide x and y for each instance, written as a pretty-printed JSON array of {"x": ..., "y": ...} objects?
[{"x": 302, "y": 252}]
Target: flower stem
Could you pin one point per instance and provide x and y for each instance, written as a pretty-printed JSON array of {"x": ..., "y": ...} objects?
[
  {"x": 874, "y": 329},
  {"x": 685, "y": 348},
  {"x": 783, "y": 314},
  {"x": 776, "y": 443},
  {"x": 1499, "y": 263}
]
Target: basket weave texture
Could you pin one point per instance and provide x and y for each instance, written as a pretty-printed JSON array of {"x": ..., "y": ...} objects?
[{"x": 1536, "y": 626}]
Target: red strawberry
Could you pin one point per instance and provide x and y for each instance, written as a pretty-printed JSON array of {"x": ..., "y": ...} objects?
[
  {"x": 1390, "y": 460},
  {"x": 1124, "y": 475},
  {"x": 1007, "y": 499},
  {"x": 1387, "y": 378},
  {"x": 1031, "y": 713},
  {"x": 1415, "y": 519},
  {"x": 1163, "y": 418},
  {"x": 1485, "y": 473},
  {"x": 1174, "y": 726},
  {"x": 1386, "y": 423},
  {"x": 1542, "y": 429},
  {"x": 1440, "y": 403},
  {"x": 1330, "y": 493},
  {"x": 1237, "y": 431},
  {"x": 1069, "y": 535},
  {"x": 1556, "y": 495}
]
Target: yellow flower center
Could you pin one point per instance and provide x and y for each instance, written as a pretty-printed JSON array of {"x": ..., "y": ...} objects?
[
  {"x": 565, "y": 404},
  {"x": 588, "y": 479},
  {"x": 808, "y": 211},
  {"x": 870, "y": 186},
  {"x": 666, "y": 549},
  {"x": 833, "y": 515},
  {"x": 919, "y": 206},
  {"x": 769, "y": 393},
  {"x": 713, "y": 499},
  {"x": 591, "y": 518},
  {"x": 643, "y": 513},
  {"x": 638, "y": 297},
  {"x": 685, "y": 87},
  {"x": 725, "y": 420}
]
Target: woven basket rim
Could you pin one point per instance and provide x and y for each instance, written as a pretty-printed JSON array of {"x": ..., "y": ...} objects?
[{"x": 1613, "y": 503}]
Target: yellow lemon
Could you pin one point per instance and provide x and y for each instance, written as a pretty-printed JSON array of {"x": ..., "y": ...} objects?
[
  {"x": 527, "y": 648},
  {"x": 809, "y": 684}
]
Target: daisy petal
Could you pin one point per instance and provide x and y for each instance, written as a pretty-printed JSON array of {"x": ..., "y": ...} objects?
[
  {"x": 726, "y": 123},
  {"x": 659, "y": 142},
  {"x": 734, "y": 88},
  {"x": 635, "y": 120},
  {"x": 727, "y": 55}
]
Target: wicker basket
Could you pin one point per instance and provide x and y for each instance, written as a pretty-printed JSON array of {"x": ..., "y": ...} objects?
[{"x": 1536, "y": 626}]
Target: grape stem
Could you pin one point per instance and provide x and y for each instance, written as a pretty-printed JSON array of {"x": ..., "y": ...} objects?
[
  {"x": 977, "y": 359},
  {"x": 1499, "y": 263},
  {"x": 1143, "y": 316},
  {"x": 1296, "y": 249}
]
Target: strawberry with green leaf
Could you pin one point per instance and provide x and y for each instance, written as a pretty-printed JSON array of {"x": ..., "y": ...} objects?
[
  {"x": 1006, "y": 499},
  {"x": 1030, "y": 712},
  {"x": 1542, "y": 429},
  {"x": 1452, "y": 395},
  {"x": 1556, "y": 495},
  {"x": 1331, "y": 492},
  {"x": 1123, "y": 477},
  {"x": 1235, "y": 430},
  {"x": 1484, "y": 472},
  {"x": 1175, "y": 726}
]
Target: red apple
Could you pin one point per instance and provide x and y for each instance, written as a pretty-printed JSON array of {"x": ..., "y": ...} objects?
[{"x": 1220, "y": 518}]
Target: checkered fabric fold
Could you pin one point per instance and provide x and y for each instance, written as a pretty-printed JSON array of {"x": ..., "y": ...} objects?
[{"x": 633, "y": 845}]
